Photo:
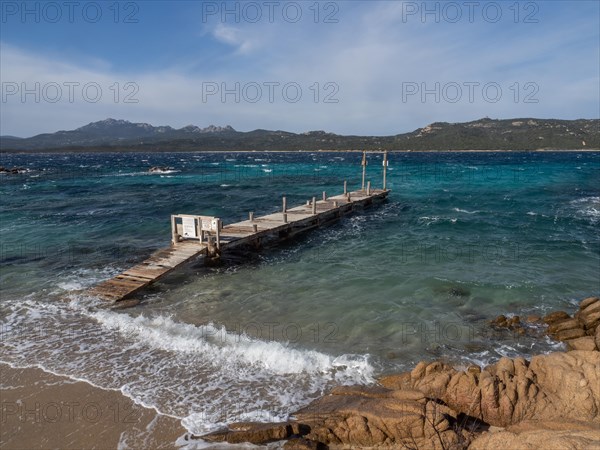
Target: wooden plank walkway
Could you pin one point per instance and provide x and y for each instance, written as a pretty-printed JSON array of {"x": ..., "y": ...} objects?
[{"x": 272, "y": 226}]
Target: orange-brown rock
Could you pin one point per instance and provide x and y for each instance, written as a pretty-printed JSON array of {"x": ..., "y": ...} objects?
[
  {"x": 303, "y": 444},
  {"x": 500, "y": 322},
  {"x": 588, "y": 301},
  {"x": 359, "y": 416},
  {"x": 372, "y": 418},
  {"x": 555, "y": 435},
  {"x": 561, "y": 325},
  {"x": 572, "y": 333},
  {"x": 555, "y": 316},
  {"x": 255, "y": 432},
  {"x": 582, "y": 343},
  {"x": 550, "y": 386}
]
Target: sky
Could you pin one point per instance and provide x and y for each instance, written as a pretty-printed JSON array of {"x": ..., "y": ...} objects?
[{"x": 347, "y": 67}]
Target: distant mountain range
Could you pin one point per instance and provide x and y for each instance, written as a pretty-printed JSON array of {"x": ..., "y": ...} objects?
[{"x": 483, "y": 134}]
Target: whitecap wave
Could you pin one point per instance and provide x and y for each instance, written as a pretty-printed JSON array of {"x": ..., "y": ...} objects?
[
  {"x": 465, "y": 211},
  {"x": 204, "y": 375},
  {"x": 588, "y": 208}
]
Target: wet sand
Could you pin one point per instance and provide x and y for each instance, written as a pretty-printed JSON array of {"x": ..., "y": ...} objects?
[{"x": 40, "y": 410}]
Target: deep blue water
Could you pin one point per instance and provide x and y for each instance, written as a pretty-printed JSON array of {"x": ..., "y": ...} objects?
[{"x": 463, "y": 237}]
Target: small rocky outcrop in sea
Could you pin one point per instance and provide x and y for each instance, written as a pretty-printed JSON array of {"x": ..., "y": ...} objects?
[
  {"x": 159, "y": 169},
  {"x": 577, "y": 331},
  {"x": 14, "y": 170},
  {"x": 552, "y": 401}
]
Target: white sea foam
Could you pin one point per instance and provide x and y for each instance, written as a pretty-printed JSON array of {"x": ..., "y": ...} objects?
[
  {"x": 223, "y": 348},
  {"x": 429, "y": 220},
  {"x": 203, "y": 374},
  {"x": 588, "y": 207},
  {"x": 465, "y": 211}
]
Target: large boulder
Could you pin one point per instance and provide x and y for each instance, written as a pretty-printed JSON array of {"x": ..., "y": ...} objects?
[
  {"x": 532, "y": 435},
  {"x": 563, "y": 327},
  {"x": 558, "y": 385},
  {"x": 375, "y": 417},
  {"x": 358, "y": 416}
]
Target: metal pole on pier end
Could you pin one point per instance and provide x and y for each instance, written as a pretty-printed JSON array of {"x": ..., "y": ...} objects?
[
  {"x": 173, "y": 229},
  {"x": 364, "y": 167},
  {"x": 284, "y": 208},
  {"x": 385, "y": 164},
  {"x": 218, "y": 234}
]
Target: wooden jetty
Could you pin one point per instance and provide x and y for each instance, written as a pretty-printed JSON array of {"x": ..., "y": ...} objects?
[{"x": 193, "y": 236}]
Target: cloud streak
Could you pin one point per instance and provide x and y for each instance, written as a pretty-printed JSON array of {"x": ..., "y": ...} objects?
[{"x": 353, "y": 75}]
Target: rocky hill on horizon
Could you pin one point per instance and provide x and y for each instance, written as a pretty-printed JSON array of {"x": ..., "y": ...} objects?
[{"x": 483, "y": 134}]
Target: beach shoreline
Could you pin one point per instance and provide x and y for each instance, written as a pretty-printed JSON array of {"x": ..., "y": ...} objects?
[{"x": 42, "y": 410}]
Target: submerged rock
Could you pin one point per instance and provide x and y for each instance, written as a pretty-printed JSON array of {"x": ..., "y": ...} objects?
[
  {"x": 14, "y": 170},
  {"x": 159, "y": 169},
  {"x": 554, "y": 317}
]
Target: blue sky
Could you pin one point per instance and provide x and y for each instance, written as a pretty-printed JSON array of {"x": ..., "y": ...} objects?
[{"x": 349, "y": 67}]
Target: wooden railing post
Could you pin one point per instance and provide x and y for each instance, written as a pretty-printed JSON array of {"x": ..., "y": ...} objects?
[
  {"x": 385, "y": 164},
  {"x": 251, "y": 216},
  {"x": 199, "y": 231},
  {"x": 314, "y": 205}
]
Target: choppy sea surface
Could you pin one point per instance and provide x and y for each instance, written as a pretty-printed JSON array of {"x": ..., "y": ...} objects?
[{"x": 462, "y": 238}]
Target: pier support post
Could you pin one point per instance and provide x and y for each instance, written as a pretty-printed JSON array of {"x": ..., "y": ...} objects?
[
  {"x": 324, "y": 195},
  {"x": 284, "y": 217},
  {"x": 251, "y": 216},
  {"x": 254, "y": 227},
  {"x": 211, "y": 250},
  {"x": 369, "y": 188},
  {"x": 284, "y": 206},
  {"x": 335, "y": 204},
  {"x": 348, "y": 197},
  {"x": 385, "y": 164},
  {"x": 314, "y": 205}
]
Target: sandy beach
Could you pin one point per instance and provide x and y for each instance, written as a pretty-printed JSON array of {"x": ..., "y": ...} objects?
[{"x": 41, "y": 410}]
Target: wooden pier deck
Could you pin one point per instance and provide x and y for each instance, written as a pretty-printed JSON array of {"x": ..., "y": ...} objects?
[
  {"x": 284, "y": 224},
  {"x": 193, "y": 236}
]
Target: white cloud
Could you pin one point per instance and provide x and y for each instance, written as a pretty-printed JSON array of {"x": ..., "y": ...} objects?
[
  {"x": 368, "y": 56},
  {"x": 235, "y": 37}
]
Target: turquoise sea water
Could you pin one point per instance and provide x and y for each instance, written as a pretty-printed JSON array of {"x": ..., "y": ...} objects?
[{"x": 463, "y": 237}]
